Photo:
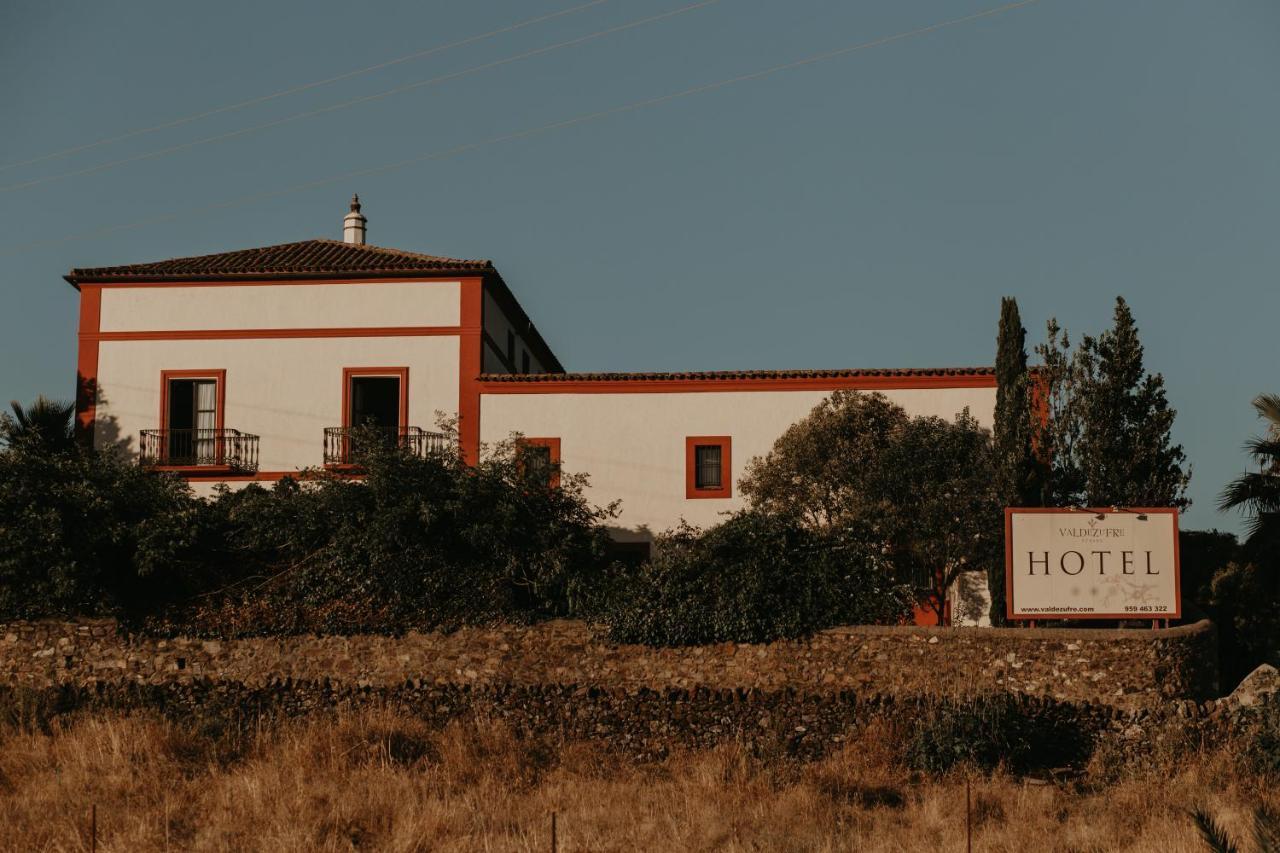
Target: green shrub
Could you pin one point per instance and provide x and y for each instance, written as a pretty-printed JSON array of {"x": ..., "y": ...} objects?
[
  {"x": 998, "y": 730},
  {"x": 417, "y": 543},
  {"x": 1245, "y": 603},
  {"x": 753, "y": 578},
  {"x": 87, "y": 533}
]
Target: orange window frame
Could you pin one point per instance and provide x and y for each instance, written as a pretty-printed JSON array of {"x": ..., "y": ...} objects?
[
  {"x": 691, "y": 445},
  {"x": 552, "y": 445},
  {"x": 219, "y": 376}
]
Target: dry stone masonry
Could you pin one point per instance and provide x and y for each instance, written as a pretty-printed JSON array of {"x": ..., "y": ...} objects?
[{"x": 1125, "y": 669}]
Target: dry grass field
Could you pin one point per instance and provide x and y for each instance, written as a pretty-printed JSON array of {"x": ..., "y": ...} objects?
[{"x": 379, "y": 780}]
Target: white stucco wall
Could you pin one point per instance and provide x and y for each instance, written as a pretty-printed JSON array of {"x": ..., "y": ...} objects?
[
  {"x": 284, "y": 390},
  {"x": 281, "y": 306},
  {"x": 633, "y": 445}
]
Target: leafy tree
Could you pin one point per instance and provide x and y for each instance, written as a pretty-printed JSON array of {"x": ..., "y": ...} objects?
[
  {"x": 943, "y": 511},
  {"x": 922, "y": 490},
  {"x": 45, "y": 421},
  {"x": 1258, "y": 492},
  {"x": 417, "y": 543},
  {"x": 1018, "y": 471},
  {"x": 86, "y": 533},
  {"x": 1246, "y": 606},
  {"x": 1109, "y": 430}
]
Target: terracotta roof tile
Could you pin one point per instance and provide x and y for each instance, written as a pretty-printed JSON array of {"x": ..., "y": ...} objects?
[
  {"x": 306, "y": 257},
  {"x": 714, "y": 375}
]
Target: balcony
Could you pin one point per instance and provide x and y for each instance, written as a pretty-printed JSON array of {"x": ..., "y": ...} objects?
[
  {"x": 209, "y": 451},
  {"x": 344, "y": 446}
]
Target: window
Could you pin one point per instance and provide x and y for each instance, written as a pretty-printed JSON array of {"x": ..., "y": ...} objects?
[
  {"x": 524, "y": 362},
  {"x": 191, "y": 416},
  {"x": 541, "y": 459},
  {"x": 376, "y": 397},
  {"x": 511, "y": 349},
  {"x": 375, "y": 401},
  {"x": 708, "y": 467},
  {"x": 375, "y": 406}
]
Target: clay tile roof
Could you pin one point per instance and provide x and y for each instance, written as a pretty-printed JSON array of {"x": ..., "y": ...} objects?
[
  {"x": 714, "y": 375},
  {"x": 307, "y": 257}
]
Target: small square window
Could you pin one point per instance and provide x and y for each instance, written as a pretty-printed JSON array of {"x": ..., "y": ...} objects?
[
  {"x": 708, "y": 467},
  {"x": 540, "y": 459}
]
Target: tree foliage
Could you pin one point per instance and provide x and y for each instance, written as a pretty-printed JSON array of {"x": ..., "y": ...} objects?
[
  {"x": 45, "y": 422},
  {"x": 85, "y": 532},
  {"x": 756, "y": 577},
  {"x": 1018, "y": 470},
  {"x": 415, "y": 543},
  {"x": 1257, "y": 493},
  {"x": 1108, "y": 434},
  {"x": 922, "y": 489}
]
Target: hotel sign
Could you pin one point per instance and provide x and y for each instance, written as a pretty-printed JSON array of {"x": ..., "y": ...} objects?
[{"x": 1091, "y": 564}]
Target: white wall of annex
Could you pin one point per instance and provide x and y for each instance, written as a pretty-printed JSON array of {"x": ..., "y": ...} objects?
[
  {"x": 284, "y": 390},
  {"x": 633, "y": 445},
  {"x": 497, "y": 324},
  {"x": 281, "y": 306}
]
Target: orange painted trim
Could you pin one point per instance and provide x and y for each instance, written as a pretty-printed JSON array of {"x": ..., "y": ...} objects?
[
  {"x": 239, "y": 334},
  {"x": 687, "y": 386},
  {"x": 691, "y": 443},
  {"x": 552, "y": 444},
  {"x": 87, "y": 363},
  {"x": 1010, "y": 511},
  {"x": 401, "y": 373},
  {"x": 261, "y": 279},
  {"x": 194, "y": 472},
  {"x": 470, "y": 354}
]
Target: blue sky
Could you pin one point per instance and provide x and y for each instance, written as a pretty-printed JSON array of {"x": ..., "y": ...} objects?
[{"x": 868, "y": 210}]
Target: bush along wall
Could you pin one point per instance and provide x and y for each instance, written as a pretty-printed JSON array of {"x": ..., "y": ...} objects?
[
  {"x": 754, "y": 578},
  {"x": 415, "y": 543}
]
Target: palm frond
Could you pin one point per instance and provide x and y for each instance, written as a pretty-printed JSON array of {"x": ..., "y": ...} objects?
[
  {"x": 1265, "y": 451},
  {"x": 1215, "y": 837},
  {"x": 46, "y": 421},
  {"x": 1254, "y": 491},
  {"x": 1268, "y": 406}
]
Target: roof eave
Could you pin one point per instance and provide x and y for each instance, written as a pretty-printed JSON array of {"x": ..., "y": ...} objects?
[{"x": 75, "y": 278}]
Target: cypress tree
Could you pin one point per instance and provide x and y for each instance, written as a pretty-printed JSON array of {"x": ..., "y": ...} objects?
[
  {"x": 1017, "y": 471},
  {"x": 1126, "y": 450}
]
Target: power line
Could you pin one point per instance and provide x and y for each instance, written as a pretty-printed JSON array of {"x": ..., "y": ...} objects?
[
  {"x": 355, "y": 101},
  {"x": 305, "y": 86},
  {"x": 508, "y": 137}
]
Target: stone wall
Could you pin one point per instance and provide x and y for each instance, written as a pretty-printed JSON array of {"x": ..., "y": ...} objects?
[{"x": 1128, "y": 670}]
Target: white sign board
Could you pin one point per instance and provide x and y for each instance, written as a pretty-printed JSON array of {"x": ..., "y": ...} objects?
[{"x": 1091, "y": 564}]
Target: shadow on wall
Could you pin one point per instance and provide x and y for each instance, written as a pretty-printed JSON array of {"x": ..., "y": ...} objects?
[{"x": 104, "y": 432}]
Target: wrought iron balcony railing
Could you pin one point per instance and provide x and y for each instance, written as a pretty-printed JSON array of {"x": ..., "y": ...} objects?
[
  {"x": 199, "y": 448},
  {"x": 346, "y": 445}
]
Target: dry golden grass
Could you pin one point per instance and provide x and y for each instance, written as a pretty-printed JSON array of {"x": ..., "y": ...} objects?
[{"x": 380, "y": 780}]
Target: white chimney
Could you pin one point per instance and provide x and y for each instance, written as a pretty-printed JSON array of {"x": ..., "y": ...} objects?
[{"x": 353, "y": 224}]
